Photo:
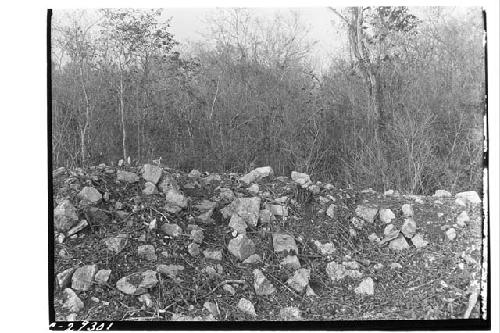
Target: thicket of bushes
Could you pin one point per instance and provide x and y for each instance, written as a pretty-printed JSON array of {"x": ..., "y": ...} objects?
[{"x": 250, "y": 98}]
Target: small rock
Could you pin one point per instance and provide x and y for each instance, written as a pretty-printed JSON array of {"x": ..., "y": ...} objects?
[
  {"x": 194, "y": 174},
  {"x": 290, "y": 313},
  {"x": 395, "y": 265},
  {"x": 330, "y": 212},
  {"x": 460, "y": 202},
  {"x": 389, "y": 192},
  {"x": 205, "y": 205},
  {"x": 71, "y": 317},
  {"x": 65, "y": 216},
  {"x": 378, "y": 266},
  {"x": 399, "y": 244},
  {"x": 82, "y": 277},
  {"x": 169, "y": 270},
  {"x": 246, "y": 307},
  {"x": 79, "y": 227},
  {"x": 149, "y": 189},
  {"x": 451, "y": 234},
  {"x": 418, "y": 241},
  {"x": 315, "y": 189},
  {"x": 90, "y": 194},
  {"x": 409, "y": 227},
  {"x": 310, "y": 292},
  {"x": 278, "y": 210},
  {"x": 253, "y": 259},
  {"x": 147, "y": 252},
  {"x": 64, "y": 278},
  {"x": 291, "y": 261},
  {"x": 374, "y": 238},
  {"x": 212, "y": 308},
  {"x": 365, "y": 287},
  {"x": 325, "y": 249},
  {"x": 229, "y": 289},
  {"x": 175, "y": 198},
  {"x": 73, "y": 303},
  {"x": 247, "y": 208},
  {"x": 206, "y": 217},
  {"x": 257, "y": 174},
  {"x": 197, "y": 236},
  {"x": 352, "y": 265},
  {"x": 366, "y": 213},
  {"x": 226, "y": 194},
  {"x": 152, "y": 173},
  {"x": 254, "y": 188},
  {"x": 265, "y": 216},
  {"x": 261, "y": 284},
  {"x": 168, "y": 183},
  {"x": 125, "y": 176},
  {"x": 209, "y": 270},
  {"x": 386, "y": 215},
  {"x": 299, "y": 280},
  {"x": 171, "y": 229},
  {"x": 237, "y": 224},
  {"x": 102, "y": 276},
  {"x": 284, "y": 242},
  {"x": 462, "y": 219},
  {"x": 357, "y": 223},
  {"x": 469, "y": 197},
  {"x": 407, "y": 210},
  {"x": 390, "y": 232},
  {"x": 442, "y": 194},
  {"x": 137, "y": 283},
  {"x": 194, "y": 249},
  {"x": 213, "y": 255},
  {"x": 241, "y": 247},
  {"x": 301, "y": 179},
  {"x": 116, "y": 244},
  {"x": 146, "y": 300}
]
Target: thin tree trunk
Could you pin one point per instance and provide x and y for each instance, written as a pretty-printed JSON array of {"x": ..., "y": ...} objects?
[{"x": 122, "y": 114}]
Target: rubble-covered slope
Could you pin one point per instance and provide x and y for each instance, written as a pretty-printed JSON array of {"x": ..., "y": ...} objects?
[{"x": 151, "y": 243}]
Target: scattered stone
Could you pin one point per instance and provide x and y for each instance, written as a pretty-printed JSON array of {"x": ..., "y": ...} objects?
[
  {"x": 206, "y": 217},
  {"x": 79, "y": 227},
  {"x": 310, "y": 292},
  {"x": 469, "y": 197},
  {"x": 418, "y": 241},
  {"x": 409, "y": 227},
  {"x": 290, "y": 313},
  {"x": 137, "y": 283},
  {"x": 90, "y": 194},
  {"x": 146, "y": 300},
  {"x": 147, "y": 252},
  {"x": 451, "y": 234},
  {"x": 228, "y": 288},
  {"x": 247, "y": 208},
  {"x": 149, "y": 189},
  {"x": 254, "y": 188},
  {"x": 365, "y": 287},
  {"x": 357, "y": 223},
  {"x": 378, "y": 266},
  {"x": 261, "y": 284},
  {"x": 210, "y": 271},
  {"x": 194, "y": 249},
  {"x": 284, "y": 242},
  {"x": 125, "y": 176},
  {"x": 407, "y": 210},
  {"x": 398, "y": 244},
  {"x": 194, "y": 174},
  {"x": 301, "y": 179},
  {"x": 169, "y": 270},
  {"x": 460, "y": 202},
  {"x": 352, "y": 265},
  {"x": 253, "y": 259},
  {"x": 291, "y": 261},
  {"x": 212, "y": 308},
  {"x": 281, "y": 200},
  {"x": 299, "y": 280},
  {"x": 325, "y": 249},
  {"x": 329, "y": 186},
  {"x": 102, "y": 276},
  {"x": 386, "y": 215},
  {"x": 390, "y": 232},
  {"x": 65, "y": 216},
  {"x": 442, "y": 194},
  {"x": 171, "y": 229},
  {"x": 71, "y": 317},
  {"x": 116, "y": 244},
  {"x": 197, "y": 236},
  {"x": 462, "y": 219},
  {"x": 246, "y": 307},
  {"x": 82, "y": 277},
  {"x": 152, "y": 173},
  {"x": 389, "y": 192},
  {"x": 64, "y": 278},
  {"x": 241, "y": 247},
  {"x": 374, "y": 238},
  {"x": 257, "y": 174},
  {"x": 315, "y": 189},
  {"x": 73, "y": 303},
  {"x": 213, "y": 255},
  {"x": 265, "y": 216},
  {"x": 168, "y": 183},
  {"x": 395, "y": 265},
  {"x": 366, "y": 213},
  {"x": 278, "y": 210},
  {"x": 237, "y": 224},
  {"x": 330, "y": 212},
  {"x": 205, "y": 205},
  {"x": 226, "y": 194},
  {"x": 175, "y": 198}
]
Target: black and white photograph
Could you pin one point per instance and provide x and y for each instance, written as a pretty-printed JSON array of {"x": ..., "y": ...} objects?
[{"x": 277, "y": 167}]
